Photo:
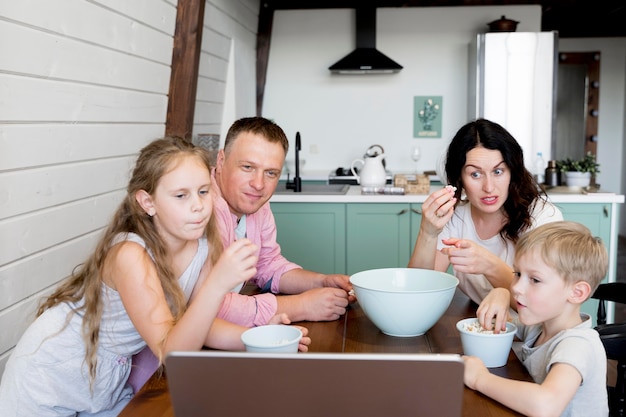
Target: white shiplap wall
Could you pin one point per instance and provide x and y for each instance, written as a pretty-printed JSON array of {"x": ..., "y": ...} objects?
[
  {"x": 83, "y": 86},
  {"x": 227, "y": 70}
]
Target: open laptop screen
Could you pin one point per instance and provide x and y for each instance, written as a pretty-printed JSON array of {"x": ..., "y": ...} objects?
[{"x": 238, "y": 384}]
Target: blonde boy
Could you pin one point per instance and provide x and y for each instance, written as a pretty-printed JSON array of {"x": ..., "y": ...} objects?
[{"x": 557, "y": 267}]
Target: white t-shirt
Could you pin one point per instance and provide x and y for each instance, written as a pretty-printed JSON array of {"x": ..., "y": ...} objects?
[{"x": 461, "y": 225}]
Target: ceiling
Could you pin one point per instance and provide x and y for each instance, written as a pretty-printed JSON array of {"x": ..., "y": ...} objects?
[{"x": 571, "y": 18}]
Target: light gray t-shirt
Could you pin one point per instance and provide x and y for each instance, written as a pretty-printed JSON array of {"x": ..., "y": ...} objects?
[{"x": 579, "y": 347}]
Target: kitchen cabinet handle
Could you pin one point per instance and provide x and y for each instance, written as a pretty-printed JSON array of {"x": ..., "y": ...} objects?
[
  {"x": 416, "y": 211},
  {"x": 402, "y": 212},
  {"x": 606, "y": 211}
]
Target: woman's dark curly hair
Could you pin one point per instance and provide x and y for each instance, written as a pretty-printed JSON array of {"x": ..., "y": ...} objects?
[{"x": 523, "y": 189}]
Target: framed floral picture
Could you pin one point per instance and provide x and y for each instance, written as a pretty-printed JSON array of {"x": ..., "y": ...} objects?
[{"x": 427, "y": 116}]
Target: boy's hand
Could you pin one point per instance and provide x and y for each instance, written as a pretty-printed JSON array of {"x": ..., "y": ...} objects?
[
  {"x": 474, "y": 368},
  {"x": 493, "y": 311}
]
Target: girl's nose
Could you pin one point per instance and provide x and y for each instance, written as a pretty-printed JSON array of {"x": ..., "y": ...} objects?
[{"x": 198, "y": 204}]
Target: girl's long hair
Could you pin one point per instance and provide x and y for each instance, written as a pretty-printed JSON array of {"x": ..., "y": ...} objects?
[{"x": 86, "y": 283}]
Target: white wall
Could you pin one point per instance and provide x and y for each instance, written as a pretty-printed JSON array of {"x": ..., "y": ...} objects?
[
  {"x": 227, "y": 72},
  {"x": 341, "y": 115},
  {"x": 83, "y": 86}
]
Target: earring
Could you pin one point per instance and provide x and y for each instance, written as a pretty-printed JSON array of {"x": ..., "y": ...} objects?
[{"x": 151, "y": 213}]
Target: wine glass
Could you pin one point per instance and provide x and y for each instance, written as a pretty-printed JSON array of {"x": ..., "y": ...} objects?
[{"x": 416, "y": 153}]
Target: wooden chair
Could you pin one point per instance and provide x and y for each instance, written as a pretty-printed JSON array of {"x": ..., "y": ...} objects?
[{"x": 613, "y": 337}]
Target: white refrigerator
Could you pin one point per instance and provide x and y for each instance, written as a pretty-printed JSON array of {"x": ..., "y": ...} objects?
[{"x": 513, "y": 82}]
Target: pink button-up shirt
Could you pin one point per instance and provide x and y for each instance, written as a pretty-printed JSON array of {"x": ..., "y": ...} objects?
[{"x": 261, "y": 230}]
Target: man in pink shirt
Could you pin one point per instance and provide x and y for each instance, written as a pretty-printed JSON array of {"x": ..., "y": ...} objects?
[{"x": 246, "y": 175}]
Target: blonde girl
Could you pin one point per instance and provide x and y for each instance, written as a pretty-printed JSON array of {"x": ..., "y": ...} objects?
[{"x": 133, "y": 291}]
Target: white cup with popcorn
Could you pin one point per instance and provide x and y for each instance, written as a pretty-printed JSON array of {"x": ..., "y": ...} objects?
[
  {"x": 493, "y": 349},
  {"x": 273, "y": 338}
]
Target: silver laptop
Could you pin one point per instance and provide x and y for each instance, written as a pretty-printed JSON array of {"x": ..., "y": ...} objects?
[{"x": 239, "y": 384}]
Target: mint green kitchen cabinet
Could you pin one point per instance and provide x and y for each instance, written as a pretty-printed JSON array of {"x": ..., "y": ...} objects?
[
  {"x": 597, "y": 217},
  {"x": 380, "y": 235},
  {"x": 416, "y": 220},
  {"x": 348, "y": 237},
  {"x": 313, "y": 235}
]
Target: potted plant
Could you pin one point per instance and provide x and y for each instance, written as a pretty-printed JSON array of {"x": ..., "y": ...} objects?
[{"x": 578, "y": 173}]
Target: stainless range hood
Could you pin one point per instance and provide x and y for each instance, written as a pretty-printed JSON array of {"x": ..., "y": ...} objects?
[{"x": 365, "y": 59}]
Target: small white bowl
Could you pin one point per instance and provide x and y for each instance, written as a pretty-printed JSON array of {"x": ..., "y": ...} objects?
[
  {"x": 404, "y": 302},
  {"x": 273, "y": 338},
  {"x": 492, "y": 349}
]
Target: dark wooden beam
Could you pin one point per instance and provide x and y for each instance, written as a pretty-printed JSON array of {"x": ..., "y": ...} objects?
[
  {"x": 263, "y": 38},
  {"x": 571, "y": 18},
  {"x": 185, "y": 61},
  {"x": 353, "y": 4}
]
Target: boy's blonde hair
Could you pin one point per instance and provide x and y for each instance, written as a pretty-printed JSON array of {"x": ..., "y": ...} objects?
[{"x": 570, "y": 249}]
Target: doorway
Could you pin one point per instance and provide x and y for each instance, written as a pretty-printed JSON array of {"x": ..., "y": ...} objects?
[{"x": 577, "y": 112}]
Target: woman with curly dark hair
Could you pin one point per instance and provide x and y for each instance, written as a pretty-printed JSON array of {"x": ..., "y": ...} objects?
[{"x": 474, "y": 222}]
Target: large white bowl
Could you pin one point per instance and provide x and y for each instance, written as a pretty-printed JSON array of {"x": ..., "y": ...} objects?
[
  {"x": 404, "y": 302},
  {"x": 274, "y": 338},
  {"x": 492, "y": 349}
]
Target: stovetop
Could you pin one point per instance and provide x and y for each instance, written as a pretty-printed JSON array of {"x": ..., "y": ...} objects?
[{"x": 344, "y": 176}]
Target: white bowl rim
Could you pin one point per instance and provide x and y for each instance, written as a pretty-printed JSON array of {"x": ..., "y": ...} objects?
[
  {"x": 245, "y": 335},
  {"x": 454, "y": 281},
  {"x": 511, "y": 328}
]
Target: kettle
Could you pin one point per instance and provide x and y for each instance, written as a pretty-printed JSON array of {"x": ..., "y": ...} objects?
[
  {"x": 373, "y": 172},
  {"x": 373, "y": 151}
]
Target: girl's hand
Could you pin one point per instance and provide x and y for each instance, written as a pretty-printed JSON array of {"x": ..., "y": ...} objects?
[
  {"x": 437, "y": 210},
  {"x": 282, "y": 318},
  {"x": 305, "y": 341},
  {"x": 493, "y": 311},
  {"x": 236, "y": 265}
]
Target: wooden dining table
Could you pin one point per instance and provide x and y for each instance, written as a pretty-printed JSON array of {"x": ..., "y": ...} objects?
[{"x": 354, "y": 332}]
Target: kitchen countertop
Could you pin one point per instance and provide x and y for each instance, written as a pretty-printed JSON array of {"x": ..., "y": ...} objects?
[
  {"x": 308, "y": 175},
  {"x": 319, "y": 175},
  {"x": 354, "y": 196}
]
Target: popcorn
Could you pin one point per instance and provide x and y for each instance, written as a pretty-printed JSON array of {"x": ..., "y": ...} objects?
[{"x": 475, "y": 327}]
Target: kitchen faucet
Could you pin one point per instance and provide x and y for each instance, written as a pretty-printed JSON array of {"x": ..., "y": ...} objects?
[{"x": 296, "y": 184}]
